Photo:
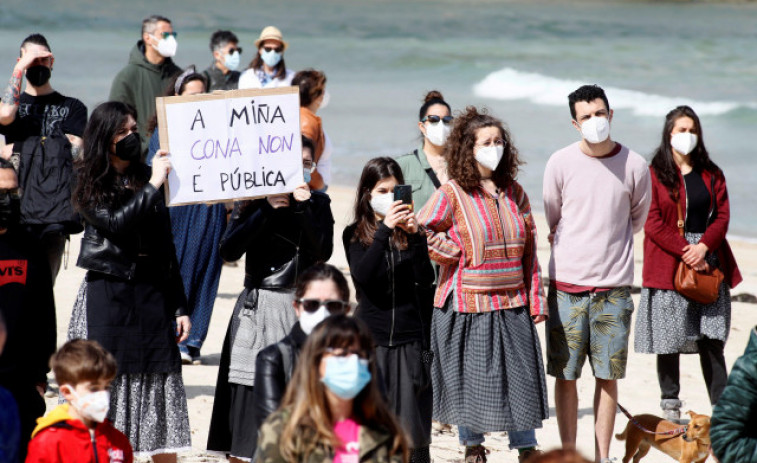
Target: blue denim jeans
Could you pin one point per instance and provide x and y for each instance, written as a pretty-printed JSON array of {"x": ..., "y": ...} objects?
[{"x": 518, "y": 439}]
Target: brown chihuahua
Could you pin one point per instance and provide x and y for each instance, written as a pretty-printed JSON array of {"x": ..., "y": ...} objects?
[{"x": 692, "y": 446}]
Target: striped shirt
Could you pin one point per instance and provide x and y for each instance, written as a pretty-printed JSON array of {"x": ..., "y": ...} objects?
[{"x": 486, "y": 247}]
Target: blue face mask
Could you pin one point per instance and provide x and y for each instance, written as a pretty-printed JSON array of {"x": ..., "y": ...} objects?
[
  {"x": 346, "y": 376},
  {"x": 271, "y": 58},
  {"x": 306, "y": 174},
  {"x": 231, "y": 61}
]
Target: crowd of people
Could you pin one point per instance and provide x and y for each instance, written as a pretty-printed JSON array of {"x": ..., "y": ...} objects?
[{"x": 449, "y": 287}]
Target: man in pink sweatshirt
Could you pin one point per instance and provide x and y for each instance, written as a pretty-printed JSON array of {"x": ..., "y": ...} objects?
[{"x": 596, "y": 196}]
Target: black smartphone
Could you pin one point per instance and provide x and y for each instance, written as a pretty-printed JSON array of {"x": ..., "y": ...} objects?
[{"x": 404, "y": 193}]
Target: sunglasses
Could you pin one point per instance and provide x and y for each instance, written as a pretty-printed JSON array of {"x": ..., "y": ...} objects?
[
  {"x": 270, "y": 49},
  {"x": 12, "y": 193},
  {"x": 344, "y": 352},
  {"x": 332, "y": 306},
  {"x": 165, "y": 35},
  {"x": 435, "y": 119},
  {"x": 233, "y": 50}
]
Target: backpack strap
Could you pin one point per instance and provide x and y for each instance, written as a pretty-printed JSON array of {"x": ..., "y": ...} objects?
[{"x": 430, "y": 172}]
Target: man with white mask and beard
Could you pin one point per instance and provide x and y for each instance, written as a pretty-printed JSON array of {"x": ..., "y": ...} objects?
[
  {"x": 596, "y": 194},
  {"x": 149, "y": 71}
]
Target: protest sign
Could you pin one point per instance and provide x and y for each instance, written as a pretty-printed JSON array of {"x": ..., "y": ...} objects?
[{"x": 231, "y": 145}]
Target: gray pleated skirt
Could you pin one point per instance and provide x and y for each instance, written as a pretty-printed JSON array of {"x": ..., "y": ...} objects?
[{"x": 488, "y": 372}]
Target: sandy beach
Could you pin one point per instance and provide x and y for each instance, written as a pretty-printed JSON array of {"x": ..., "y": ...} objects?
[{"x": 638, "y": 392}]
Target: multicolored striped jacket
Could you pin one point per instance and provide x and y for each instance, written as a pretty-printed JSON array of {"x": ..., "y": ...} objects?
[{"x": 486, "y": 247}]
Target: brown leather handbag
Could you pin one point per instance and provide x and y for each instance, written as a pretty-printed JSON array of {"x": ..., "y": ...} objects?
[{"x": 702, "y": 287}]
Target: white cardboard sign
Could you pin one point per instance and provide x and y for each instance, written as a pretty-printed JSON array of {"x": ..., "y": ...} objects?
[{"x": 231, "y": 145}]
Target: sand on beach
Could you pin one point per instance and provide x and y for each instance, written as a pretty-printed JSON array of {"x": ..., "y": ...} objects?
[{"x": 638, "y": 392}]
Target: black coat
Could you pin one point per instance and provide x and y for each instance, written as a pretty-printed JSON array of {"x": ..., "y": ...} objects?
[
  {"x": 293, "y": 237},
  {"x": 387, "y": 282}
]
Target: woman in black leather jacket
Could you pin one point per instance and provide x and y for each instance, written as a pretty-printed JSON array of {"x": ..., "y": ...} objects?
[
  {"x": 321, "y": 291},
  {"x": 132, "y": 301},
  {"x": 282, "y": 235}
]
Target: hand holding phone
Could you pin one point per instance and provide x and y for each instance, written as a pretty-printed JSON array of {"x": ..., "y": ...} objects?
[{"x": 404, "y": 193}]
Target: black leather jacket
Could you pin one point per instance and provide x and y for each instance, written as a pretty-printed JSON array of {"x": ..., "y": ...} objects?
[
  {"x": 280, "y": 243},
  {"x": 132, "y": 240}
]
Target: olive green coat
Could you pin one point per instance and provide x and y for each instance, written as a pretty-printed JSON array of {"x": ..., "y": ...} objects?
[{"x": 375, "y": 444}]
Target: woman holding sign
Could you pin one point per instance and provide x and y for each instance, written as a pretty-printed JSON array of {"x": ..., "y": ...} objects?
[
  {"x": 197, "y": 230},
  {"x": 132, "y": 300},
  {"x": 282, "y": 235}
]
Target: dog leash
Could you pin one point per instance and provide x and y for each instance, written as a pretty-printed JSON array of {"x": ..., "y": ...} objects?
[{"x": 672, "y": 432}]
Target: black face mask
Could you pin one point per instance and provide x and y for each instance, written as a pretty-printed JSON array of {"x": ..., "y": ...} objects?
[
  {"x": 129, "y": 148},
  {"x": 38, "y": 75},
  {"x": 10, "y": 210}
]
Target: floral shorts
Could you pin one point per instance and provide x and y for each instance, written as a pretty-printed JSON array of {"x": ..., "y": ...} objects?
[{"x": 588, "y": 324}]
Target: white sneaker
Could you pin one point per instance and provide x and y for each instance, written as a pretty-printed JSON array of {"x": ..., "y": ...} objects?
[{"x": 186, "y": 359}]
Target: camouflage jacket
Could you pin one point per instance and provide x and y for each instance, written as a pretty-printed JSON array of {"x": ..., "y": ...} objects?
[{"x": 375, "y": 444}]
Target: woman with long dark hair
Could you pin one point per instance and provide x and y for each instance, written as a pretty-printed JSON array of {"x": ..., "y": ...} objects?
[
  {"x": 197, "y": 230},
  {"x": 389, "y": 263},
  {"x": 281, "y": 235},
  {"x": 488, "y": 372},
  {"x": 333, "y": 409},
  {"x": 267, "y": 69},
  {"x": 667, "y": 323},
  {"x": 132, "y": 300}
]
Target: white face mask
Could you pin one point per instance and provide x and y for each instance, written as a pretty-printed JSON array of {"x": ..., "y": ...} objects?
[
  {"x": 489, "y": 156},
  {"x": 596, "y": 129},
  {"x": 231, "y": 61},
  {"x": 93, "y": 406},
  {"x": 437, "y": 133},
  {"x": 308, "y": 320},
  {"x": 325, "y": 100},
  {"x": 166, "y": 47},
  {"x": 381, "y": 203},
  {"x": 684, "y": 142}
]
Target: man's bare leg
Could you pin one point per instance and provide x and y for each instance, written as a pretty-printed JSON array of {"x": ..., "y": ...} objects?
[
  {"x": 605, "y": 406},
  {"x": 566, "y": 406}
]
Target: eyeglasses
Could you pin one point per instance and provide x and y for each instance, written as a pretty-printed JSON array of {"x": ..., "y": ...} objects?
[
  {"x": 333, "y": 306},
  {"x": 497, "y": 142},
  {"x": 309, "y": 165},
  {"x": 270, "y": 49},
  {"x": 344, "y": 352},
  {"x": 435, "y": 119},
  {"x": 12, "y": 193},
  {"x": 233, "y": 50},
  {"x": 165, "y": 35}
]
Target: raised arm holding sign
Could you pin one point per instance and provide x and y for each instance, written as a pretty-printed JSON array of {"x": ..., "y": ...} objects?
[{"x": 236, "y": 145}]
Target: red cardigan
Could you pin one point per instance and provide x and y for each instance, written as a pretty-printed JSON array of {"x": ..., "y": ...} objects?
[{"x": 663, "y": 246}]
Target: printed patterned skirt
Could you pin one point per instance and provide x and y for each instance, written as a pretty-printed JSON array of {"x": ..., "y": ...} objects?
[
  {"x": 488, "y": 372},
  {"x": 150, "y": 409},
  {"x": 668, "y": 323}
]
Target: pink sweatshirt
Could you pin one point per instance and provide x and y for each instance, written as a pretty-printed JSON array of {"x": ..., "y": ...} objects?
[{"x": 594, "y": 206}]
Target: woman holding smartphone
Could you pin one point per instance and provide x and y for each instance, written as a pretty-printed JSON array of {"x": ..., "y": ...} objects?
[{"x": 388, "y": 258}]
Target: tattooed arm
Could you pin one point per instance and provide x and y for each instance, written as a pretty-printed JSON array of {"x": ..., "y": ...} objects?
[{"x": 12, "y": 93}]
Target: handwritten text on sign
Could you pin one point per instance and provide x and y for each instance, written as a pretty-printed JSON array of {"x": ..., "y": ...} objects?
[{"x": 234, "y": 145}]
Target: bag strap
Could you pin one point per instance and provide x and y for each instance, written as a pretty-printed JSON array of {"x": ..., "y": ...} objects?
[
  {"x": 430, "y": 172},
  {"x": 680, "y": 222}
]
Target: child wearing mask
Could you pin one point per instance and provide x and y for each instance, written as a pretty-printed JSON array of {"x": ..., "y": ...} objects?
[{"x": 76, "y": 430}]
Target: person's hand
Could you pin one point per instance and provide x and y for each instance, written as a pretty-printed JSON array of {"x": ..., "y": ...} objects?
[
  {"x": 397, "y": 214},
  {"x": 410, "y": 225},
  {"x": 161, "y": 166},
  {"x": 28, "y": 58},
  {"x": 301, "y": 193},
  {"x": 539, "y": 318},
  {"x": 693, "y": 256},
  {"x": 183, "y": 325},
  {"x": 277, "y": 201}
]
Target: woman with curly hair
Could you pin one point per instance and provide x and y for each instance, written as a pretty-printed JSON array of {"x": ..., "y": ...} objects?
[
  {"x": 490, "y": 297},
  {"x": 333, "y": 409}
]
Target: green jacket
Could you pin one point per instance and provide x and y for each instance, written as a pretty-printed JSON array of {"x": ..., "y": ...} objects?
[
  {"x": 733, "y": 431},
  {"x": 375, "y": 444},
  {"x": 139, "y": 83},
  {"x": 414, "y": 170}
]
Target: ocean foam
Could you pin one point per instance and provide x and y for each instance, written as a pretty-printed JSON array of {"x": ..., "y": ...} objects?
[{"x": 511, "y": 84}]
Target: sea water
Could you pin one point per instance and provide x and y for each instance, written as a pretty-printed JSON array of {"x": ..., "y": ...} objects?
[{"x": 520, "y": 59}]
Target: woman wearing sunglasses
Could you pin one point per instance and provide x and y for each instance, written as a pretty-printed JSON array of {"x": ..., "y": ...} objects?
[
  {"x": 490, "y": 296},
  {"x": 425, "y": 168},
  {"x": 388, "y": 258},
  {"x": 267, "y": 69},
  {"x": 281, "y": 235},
  {"x": 322, "y": 291},
  {"x": 332, "y": 410}
]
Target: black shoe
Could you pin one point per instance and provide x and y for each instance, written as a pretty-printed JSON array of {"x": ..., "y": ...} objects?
[{"x": 194, "y": 355}]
